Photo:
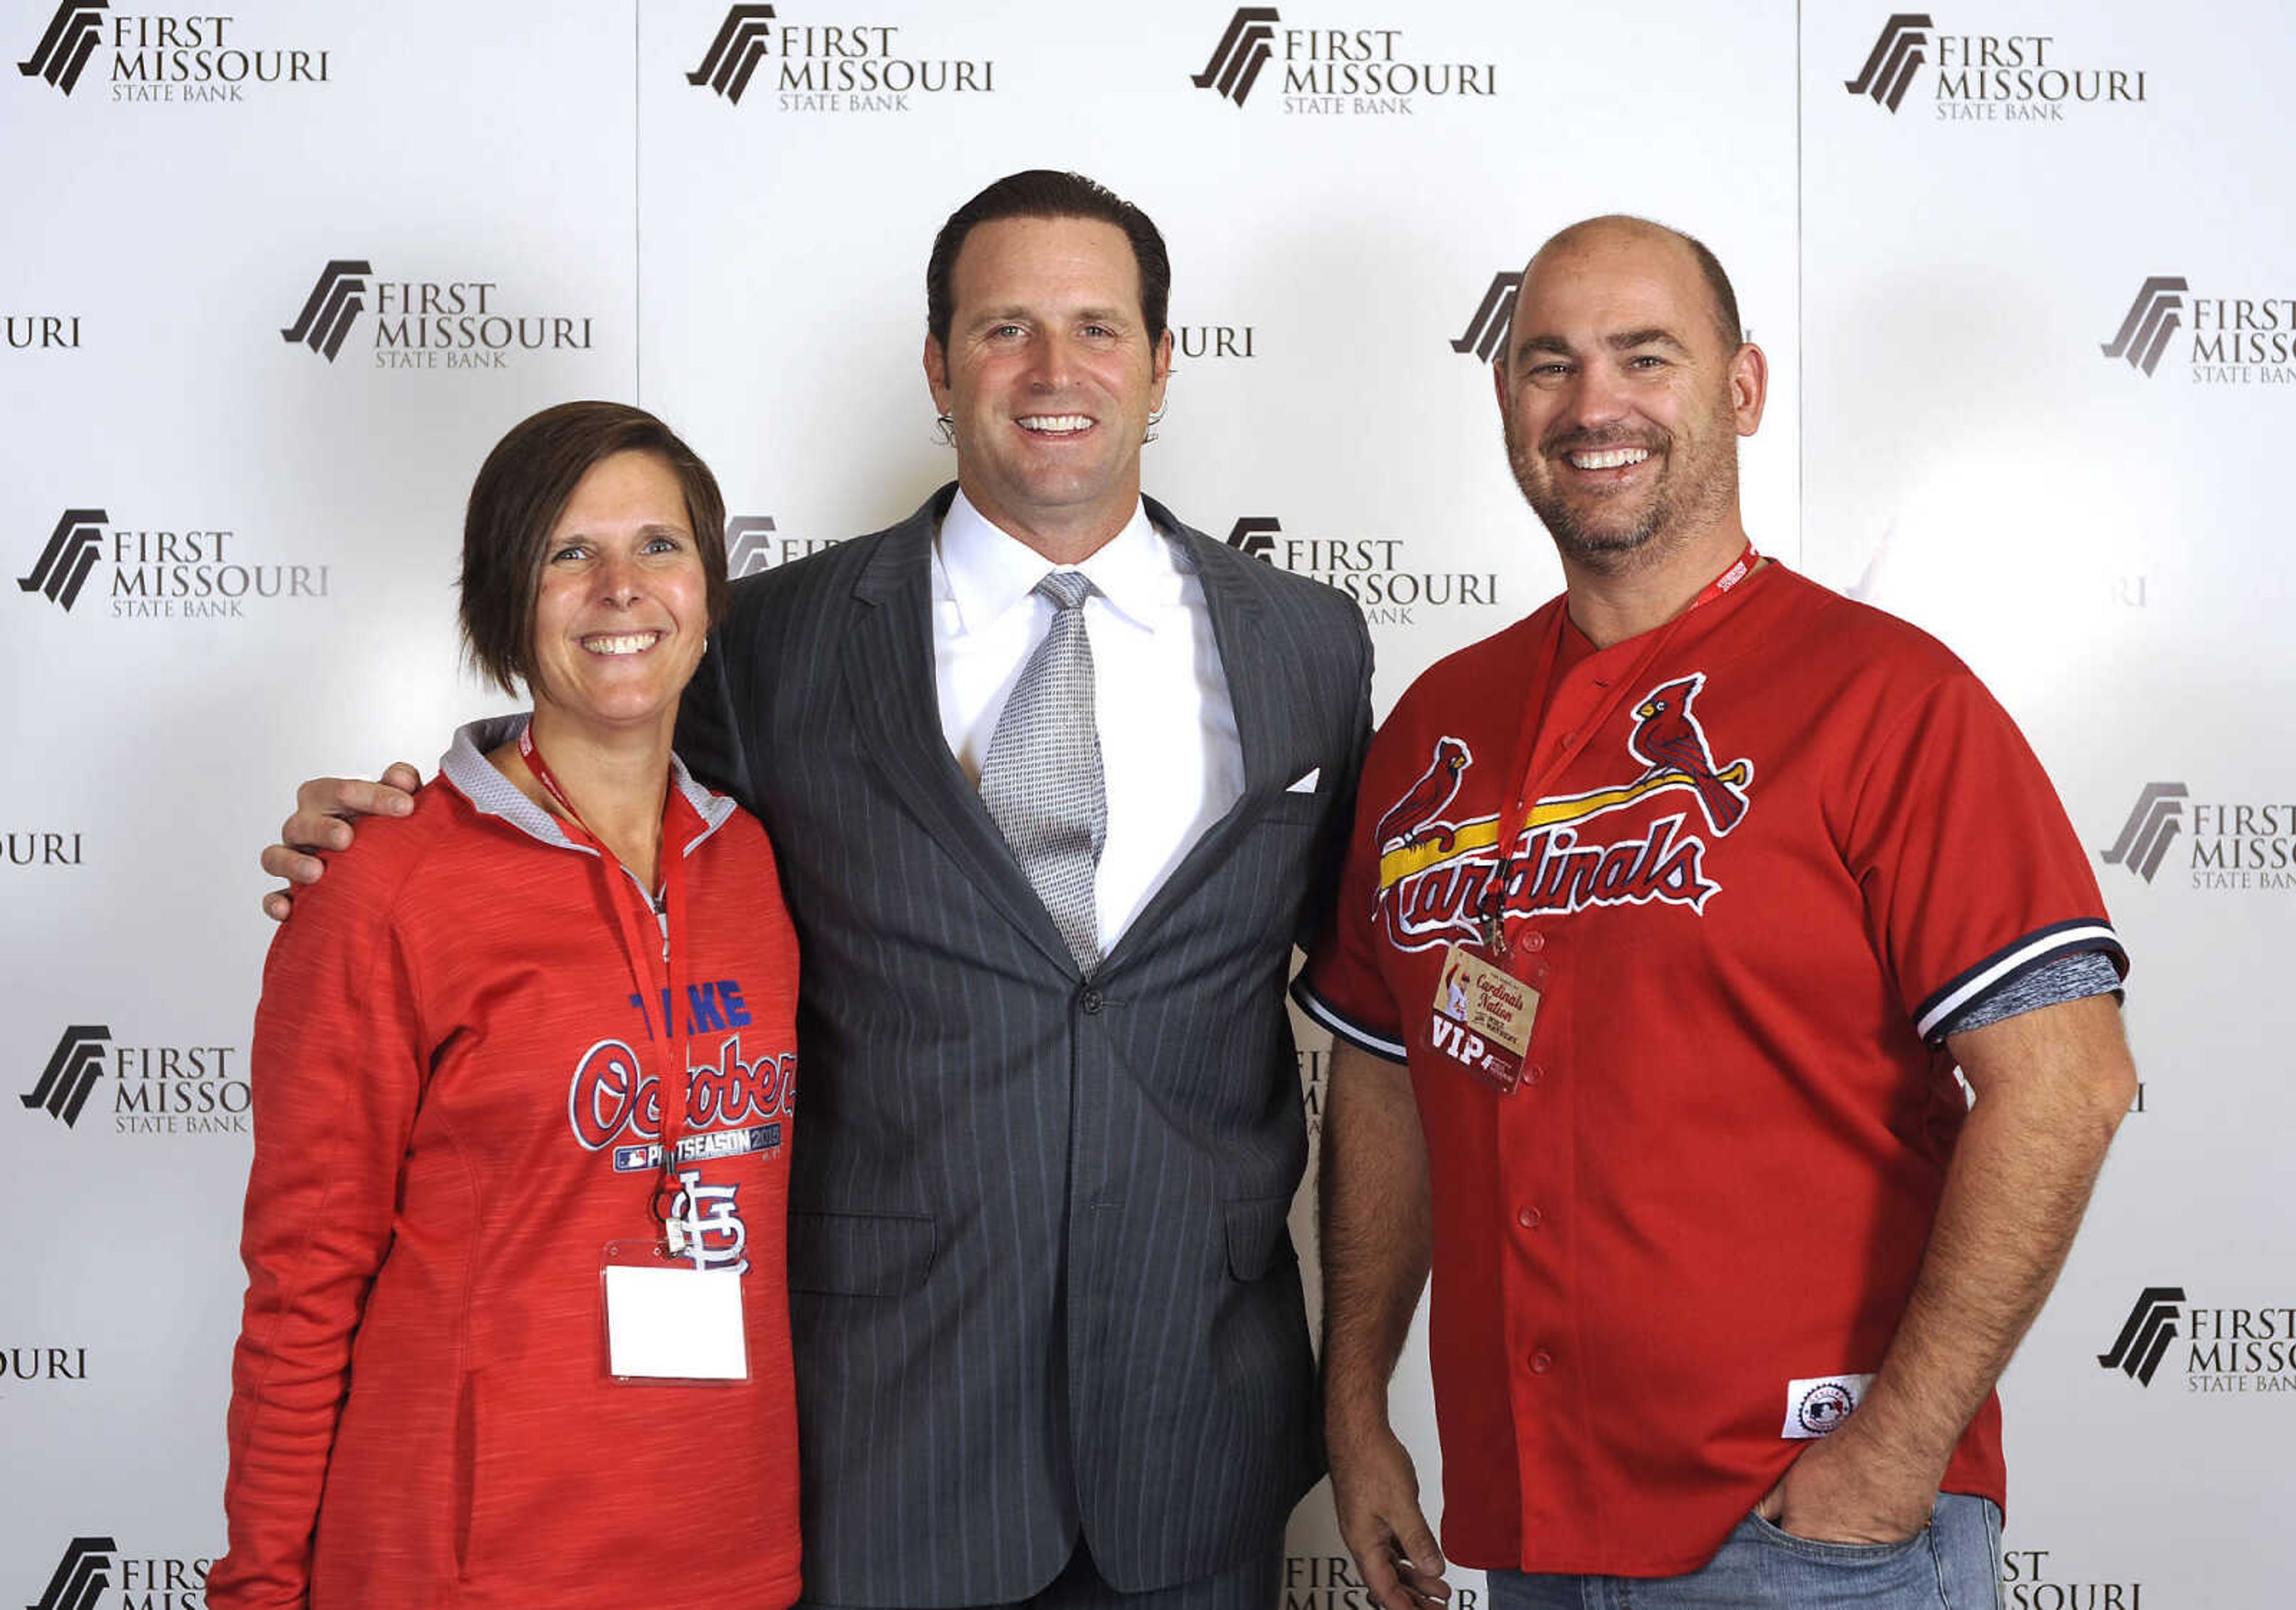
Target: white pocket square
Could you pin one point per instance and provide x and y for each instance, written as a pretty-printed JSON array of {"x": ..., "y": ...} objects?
[{"x": 1308, "y": 780}]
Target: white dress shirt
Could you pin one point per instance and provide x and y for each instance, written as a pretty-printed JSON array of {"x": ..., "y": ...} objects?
[{"x": 1167, "y": 742}]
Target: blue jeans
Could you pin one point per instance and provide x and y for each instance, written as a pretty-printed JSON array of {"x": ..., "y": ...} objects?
[{"x": 1952, "y": 1563}]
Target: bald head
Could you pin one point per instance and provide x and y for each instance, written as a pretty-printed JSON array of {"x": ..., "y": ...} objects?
[
  {"x": 1618, "y": 234},
  {"x": 1625, "y": 388}
]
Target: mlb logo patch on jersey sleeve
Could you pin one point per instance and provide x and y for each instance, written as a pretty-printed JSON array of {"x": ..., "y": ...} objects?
[{"x": 1816, "y": 1406}]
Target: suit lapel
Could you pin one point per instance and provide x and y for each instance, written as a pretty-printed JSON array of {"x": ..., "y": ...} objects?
[
  {"x": 1256, "y": 670},
  {"x": 892, "y": 690}
]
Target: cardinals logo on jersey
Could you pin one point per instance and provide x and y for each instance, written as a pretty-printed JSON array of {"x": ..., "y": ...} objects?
[
  {"x": 1597, "y": 848},
  {"x": 1413, "y": 820},
  {"x": 1668, "y": 738}
]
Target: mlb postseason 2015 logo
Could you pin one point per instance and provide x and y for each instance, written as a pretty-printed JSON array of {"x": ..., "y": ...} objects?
[
  {"x": 2237, "y": 1351},
  {"x": 1329, "y": 69},
  {"x": 1988, "y": 78},
  {"x": 2037, "y": 1579},
  {"x": 2231, "y": 844},
  {"x": 753, "y": 544},
  {"x": 2237, "y": 340},
  {"x": 172, "y": 57},
  {"x": 188, "y": 571},
  {"x": 816, "y": 65},
  {"x": 1375, "y": 571},
  {"x": 91, "y": 1566},
  {"x": 145, "y": 1089},
  {"x": 432, "y": 323}
]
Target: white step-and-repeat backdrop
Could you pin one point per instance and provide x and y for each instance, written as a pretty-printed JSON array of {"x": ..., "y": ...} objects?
[{"x": 275, "y": 278}]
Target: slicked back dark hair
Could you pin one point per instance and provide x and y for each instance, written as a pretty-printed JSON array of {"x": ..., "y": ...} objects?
[
  {"x": 1043, "y": 193},
  {"x": 522, "y": 490}
]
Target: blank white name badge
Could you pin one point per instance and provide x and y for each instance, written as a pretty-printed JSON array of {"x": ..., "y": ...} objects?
[{"x": 671, "y": 1321}]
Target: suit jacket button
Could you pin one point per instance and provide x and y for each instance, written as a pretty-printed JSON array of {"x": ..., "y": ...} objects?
[{"x": 1090, "y": 1000}]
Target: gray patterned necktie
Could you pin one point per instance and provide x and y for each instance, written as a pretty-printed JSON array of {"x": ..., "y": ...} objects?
[{"x": 1042, "y": 781}]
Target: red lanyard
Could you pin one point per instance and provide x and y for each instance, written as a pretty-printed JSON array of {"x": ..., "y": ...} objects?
[
  {"x": 672, "y": 1088},
  {"x": 1494, "y": 901}
]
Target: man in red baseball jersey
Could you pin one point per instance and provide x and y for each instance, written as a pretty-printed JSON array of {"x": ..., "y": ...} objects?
[{"x": 1664, "y": 959}]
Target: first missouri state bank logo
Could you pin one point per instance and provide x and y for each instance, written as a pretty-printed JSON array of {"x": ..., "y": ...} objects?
[
  {"x": 333, "y": 307},
  {"x": 1244, "y": 49},
  {"x": 64, "y": 1085},
  {"x": 2231, "y": 844},
  {"x": 73, "y": 34},
  {"x": 2152, "y": 318},
  {"x": 459, "y": 323},
  {"x": 1351, "y": 71},
  {"x": 734, "y": 54},
  {"x": 172, "y": 57},
  {"x": 2235, "y": 341},
  {"x": 1375, "y": 571},
  {"x": 91, "y": 1566},
  {"x": 1485, "y": 337},
  {"x": 1897, "y": 54},
  {"x": 829, "y": 67},
  {"x": 72, "y": 552},
  {"x": 2151, "y": 1327},
  {"x": 1436, "y": 867},
  {"x": 187, "y": 570},
  {"x": 2152, "y": 826},
  {"x": 83, "y": 1573},
  {"x": 2246, "y": 1349},
  {"x": 1987, "y": 77},
  {"x": 754, "y": 544}
]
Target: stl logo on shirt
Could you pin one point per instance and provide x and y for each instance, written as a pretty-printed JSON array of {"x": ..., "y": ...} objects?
[
  {"x": 1577, "y": 850},
  {"x": 705, "y": 1225}
]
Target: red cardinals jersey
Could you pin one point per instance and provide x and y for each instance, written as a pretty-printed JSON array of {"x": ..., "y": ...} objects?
[
  {"x": 1767, "y": 849},
  {"x": 457, "y": 1089}
]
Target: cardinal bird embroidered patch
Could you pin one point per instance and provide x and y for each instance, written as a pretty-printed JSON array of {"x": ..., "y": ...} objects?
[{"x": 1668, "y": 738}]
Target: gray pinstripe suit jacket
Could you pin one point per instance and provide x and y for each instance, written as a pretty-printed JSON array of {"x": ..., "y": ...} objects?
[{"x": 1039, "y": 1269}]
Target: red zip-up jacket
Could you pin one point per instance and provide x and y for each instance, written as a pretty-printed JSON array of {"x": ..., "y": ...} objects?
[{"x": 448, "y": 1134}]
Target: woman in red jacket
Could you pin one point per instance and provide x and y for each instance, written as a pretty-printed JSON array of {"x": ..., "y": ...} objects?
[{"x": 524, "y": 1076}]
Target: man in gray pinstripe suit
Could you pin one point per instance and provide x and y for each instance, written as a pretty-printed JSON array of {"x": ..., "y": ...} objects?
[{"x": 1049, "y": 1331}]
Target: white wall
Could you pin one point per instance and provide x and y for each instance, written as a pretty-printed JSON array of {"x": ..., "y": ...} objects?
[{"x": 1946, "y": 436}]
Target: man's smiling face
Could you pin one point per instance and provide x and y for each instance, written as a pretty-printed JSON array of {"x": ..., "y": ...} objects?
[
  {"x": 1621, "y": 398},
  {"x": 1049, "y": 375}
]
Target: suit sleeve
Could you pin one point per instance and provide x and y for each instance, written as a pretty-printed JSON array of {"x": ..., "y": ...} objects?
[
  {"x": 1342, "y": 986},
  {"x": 708, "y": 734},
  {"x": 1972, "y": 874},
  {"x": 1333, "y": 837},
  {"x": 337, "y": 1068}
]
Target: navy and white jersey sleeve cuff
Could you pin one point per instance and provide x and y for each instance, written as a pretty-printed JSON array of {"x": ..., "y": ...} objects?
[
  {"x": 2005, "y": 975},
  {"x": 1346, "y": 1029}
]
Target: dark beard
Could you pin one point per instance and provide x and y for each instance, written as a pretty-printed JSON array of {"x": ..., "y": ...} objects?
[
  {"x": 1612, "y": 549},
  {"x": 1605, "y": 549}
]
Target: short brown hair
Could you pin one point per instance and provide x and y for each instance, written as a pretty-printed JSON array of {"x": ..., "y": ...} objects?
[
  {"x": 521, "y": 491},
  {"x": 1045, "y": 193}
]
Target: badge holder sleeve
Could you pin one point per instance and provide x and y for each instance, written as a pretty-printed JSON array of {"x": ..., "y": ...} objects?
[{"x": 665, "y": 1321}]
